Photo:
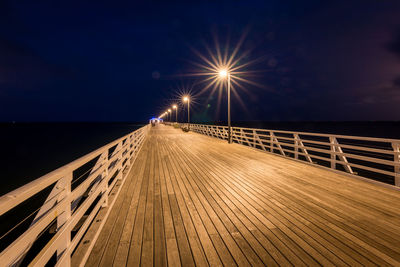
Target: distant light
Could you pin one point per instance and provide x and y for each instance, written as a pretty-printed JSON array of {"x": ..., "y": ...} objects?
[
  {"x": 185, "y": 99},
  {"x": 174, "y": 107},
  {"x": 169, "y": 110}
]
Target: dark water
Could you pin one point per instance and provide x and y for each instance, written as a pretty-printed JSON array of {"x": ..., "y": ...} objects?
[{"x": 30, "y": 150}]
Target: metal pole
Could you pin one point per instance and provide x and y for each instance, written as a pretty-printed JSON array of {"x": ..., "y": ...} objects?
[
  {"x": 188, "y": 112},
  {"x": 176, "y": 114},
  {"x": 229, "y": 110}
]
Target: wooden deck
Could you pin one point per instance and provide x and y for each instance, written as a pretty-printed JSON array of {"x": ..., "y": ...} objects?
[{"x": 194, "y": 200}]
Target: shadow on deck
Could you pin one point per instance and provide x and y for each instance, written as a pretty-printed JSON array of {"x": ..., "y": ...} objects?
[{"x": 194, "y": 200}]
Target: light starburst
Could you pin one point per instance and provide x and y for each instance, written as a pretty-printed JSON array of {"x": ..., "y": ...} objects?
[{"x": 222, "y": 64}]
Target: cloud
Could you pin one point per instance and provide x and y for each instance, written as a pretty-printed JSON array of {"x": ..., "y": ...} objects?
[
  {"x": 394, "y": 45},
  {"x": 396, "y": 82}
]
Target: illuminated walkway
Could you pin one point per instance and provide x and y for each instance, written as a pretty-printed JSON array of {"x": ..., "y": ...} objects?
[{"x": 194, "y": 200}]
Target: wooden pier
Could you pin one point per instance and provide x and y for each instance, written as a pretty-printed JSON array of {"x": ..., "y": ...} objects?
[{"x": 193, "y": 200}]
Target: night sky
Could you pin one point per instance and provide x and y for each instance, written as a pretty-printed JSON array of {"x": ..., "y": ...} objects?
[{"x": 111, "y": 61}]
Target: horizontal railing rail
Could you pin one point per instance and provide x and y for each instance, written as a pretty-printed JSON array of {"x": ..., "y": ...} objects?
[
  {"x": 70, "y": 206},
  {"x": 374, "y": 158}
]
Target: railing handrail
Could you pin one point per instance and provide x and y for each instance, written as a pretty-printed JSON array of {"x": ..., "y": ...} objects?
[
  {"x": 361, "y": 138},
  {"x": 19, "y": 195},
  {"x": 299, "y": 145}
]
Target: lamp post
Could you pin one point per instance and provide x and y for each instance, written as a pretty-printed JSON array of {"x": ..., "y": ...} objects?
[
  {"x": 176, "y": 112},
  {"x": 224, "y": 74},
  {"x": 169, "y": 113},
  {"x": 187, "y": 99}
]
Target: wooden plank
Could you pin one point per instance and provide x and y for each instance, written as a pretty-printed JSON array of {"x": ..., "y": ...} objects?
[
  {"x": 137, "y": 234},
  {"x": 230, "y": 154},
  {"x": 263, "y": 232},
  {"x": 169, "y": 230},
  {"x": 195, "y": 245},
  {"x": 238, "y": 230},
  {"x": 148, "y": 230},
  {"x": 266, "y": 225},
  {"x": 224, "y": 233},
  {"x": 331, "y": 239},
  {"x": 352, "y": 197},
  {"x": 160, "y": 256},
  {"x": 204, "y": 238},
  {"x": 185, "y": 252},
  {"x": 216, "y": 239}
]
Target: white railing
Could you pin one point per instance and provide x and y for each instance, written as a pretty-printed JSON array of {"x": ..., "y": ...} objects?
[
  {"x": 375, "y": 158},
  {"x": 69, "y": 201}
]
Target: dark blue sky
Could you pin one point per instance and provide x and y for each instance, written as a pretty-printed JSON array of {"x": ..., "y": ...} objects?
[{"x": 91, "y": 61}]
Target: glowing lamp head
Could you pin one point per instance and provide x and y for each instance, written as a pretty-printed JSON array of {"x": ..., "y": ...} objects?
[
  {"x": 185, "y": 99},
  {"x": 169, "y": 110},
  {"x": 174, "y": 106},
  {"x": 223, "y": 73}
]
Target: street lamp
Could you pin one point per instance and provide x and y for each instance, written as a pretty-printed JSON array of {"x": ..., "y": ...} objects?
[
  {"x": 169, "y": 113},
  {"x": 176, "y": 112},
  {"x": 224, "y": 74},
  {"x": 187, "y": 99}
]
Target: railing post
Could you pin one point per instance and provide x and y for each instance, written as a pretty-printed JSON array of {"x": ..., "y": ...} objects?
[
  {"x": 303, "y": 148},
  {"x": 255, "y": 139},
  {"x": 119, "y": 165},
  {"x": 128, "y": 151},
  {"x": 275, "y": 139},
  {"x": 259, "y": 140},
  {"x": 332, "y": 152},
  {"x": 296, "y": 146},
  {"x": 271, "y": 142},
  {"x": 342, "y": 158},
  {"x": 396, "y": 149},
  {"x": 131, "y": 148},
  {"x": 63, "y": 218},
  {"x": 104, "y": 175}
]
